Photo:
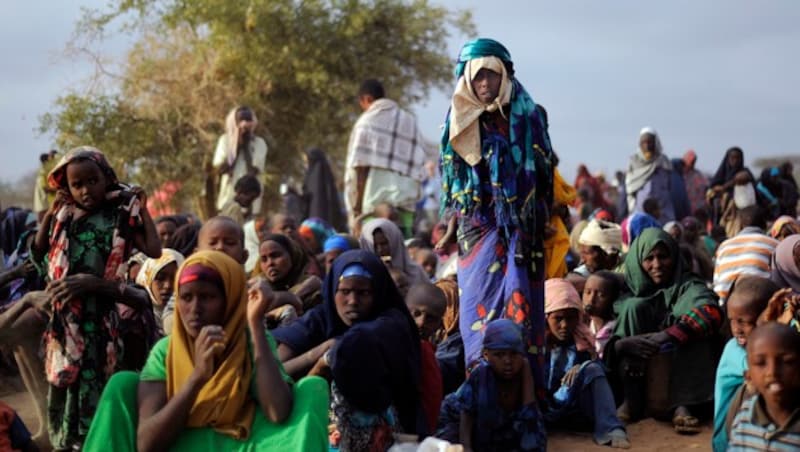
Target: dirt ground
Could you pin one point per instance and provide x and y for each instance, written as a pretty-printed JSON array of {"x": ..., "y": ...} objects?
[{"x": 647, "y": 435}]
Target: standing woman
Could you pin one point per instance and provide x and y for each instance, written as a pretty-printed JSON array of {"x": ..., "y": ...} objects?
[
  {"x": 649, "y": 176},
  {"x": 320, "y": 195},
  {"x": 497, "y": 179}
]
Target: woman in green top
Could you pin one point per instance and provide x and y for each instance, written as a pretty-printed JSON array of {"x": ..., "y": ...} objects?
[
  {"x": 211, "y": 385},
  {"x": 668, "y": 311}
]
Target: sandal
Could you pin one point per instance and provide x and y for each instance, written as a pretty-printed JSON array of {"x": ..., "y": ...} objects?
[{"x": 685, "y": 423}]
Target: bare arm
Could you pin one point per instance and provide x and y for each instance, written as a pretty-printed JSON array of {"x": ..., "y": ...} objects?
[
  {"x": 147, "y": 241},
  {"x": 299, "y": 366},
  {"x": 274, "y": 395},
  {"x": 41, "y": 243},
  {"x": 362, "y": 172},
  {"x": 465, "y": 431}
]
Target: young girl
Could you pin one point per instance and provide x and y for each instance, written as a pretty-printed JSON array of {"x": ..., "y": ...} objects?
[
  {"x": 599, "y": 294},
  {"x": 495, "y": 409},
  {"x": 86, "y": 236},
  {"x": 157, "y": 276},
  {"x": 282, "y": 263},
  {"x": 575, "y": 382}
]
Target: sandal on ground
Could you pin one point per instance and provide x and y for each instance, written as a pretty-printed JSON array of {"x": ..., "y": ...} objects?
[{"x": 686, "y": 424}]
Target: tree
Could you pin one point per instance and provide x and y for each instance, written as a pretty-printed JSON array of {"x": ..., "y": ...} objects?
[{"x": 297, "y": 63}]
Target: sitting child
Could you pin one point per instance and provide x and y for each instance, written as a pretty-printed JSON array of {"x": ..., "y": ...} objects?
[
  {"x": 576, "y": 383},
  {"x": 770, "y": 419},
  {"x": 240, "y": 208},
  {"x": 496, "y": 409},
  {"x": 748, "y": 298},
  {"x": 599, "y": 294},
  {"x": 427, "y": 305}
]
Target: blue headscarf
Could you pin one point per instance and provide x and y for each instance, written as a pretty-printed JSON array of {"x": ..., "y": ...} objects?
[
  {"x": 336, "y": 242},
  {"x": 503, "y": 334},
  {"x": 520, "y": 169}
]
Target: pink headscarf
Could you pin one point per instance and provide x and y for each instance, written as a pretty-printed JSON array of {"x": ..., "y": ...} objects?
[{"x": 560, "y": 294}]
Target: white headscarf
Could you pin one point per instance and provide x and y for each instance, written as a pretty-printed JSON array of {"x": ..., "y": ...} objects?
[
  {"x": 606, "y": 235},
  {"x": 465, "y": 107}
]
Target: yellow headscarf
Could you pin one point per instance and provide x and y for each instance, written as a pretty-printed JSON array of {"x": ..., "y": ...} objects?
[
  {"x": 224, "y": 402},
  {"x": 466, "y": 108}
]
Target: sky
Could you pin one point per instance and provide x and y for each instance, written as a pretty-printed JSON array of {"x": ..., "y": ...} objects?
[{"x": 706, "y": 75}]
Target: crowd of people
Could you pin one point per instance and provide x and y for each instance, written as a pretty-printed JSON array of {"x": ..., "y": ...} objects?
[{"x": 480, "y": 301}]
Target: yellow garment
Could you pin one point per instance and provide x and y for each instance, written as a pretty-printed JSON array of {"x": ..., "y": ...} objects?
[
  {"x": 466, "y": 108},
  {"x": 557, "y": 246},
  {"x": 224, "y": 402}
]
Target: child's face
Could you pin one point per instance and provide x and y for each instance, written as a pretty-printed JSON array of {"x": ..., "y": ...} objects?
[
  {"x": 164, "y": 284},
  {"x": 287, "y": 226},
  {"x": 597, "y": 299},
  {"x": 427, "y": 260},
  {"x": 774, "y": 369},
  {"x": 742, "y": 318},
  {"x": 201, "y": 303},
  {"x": 354, "y": 299},
  {"x": 381, "y": 244},
  {"x": 245, "y": 199},
  {"x": 562, "y": 323},
  {"x": 331, "y": 256},
  {"x": 506, "y": 364},
  {"x": 274, "y": 261},
  {"x": 165, "y": 230},
  {"x": 224, "y": 236},
  {"x": 87, "y": 184},
  {"x": 427, "y": 317}
]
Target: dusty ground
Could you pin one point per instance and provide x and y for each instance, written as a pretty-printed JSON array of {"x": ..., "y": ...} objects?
[{"x": 647, "y": 435}]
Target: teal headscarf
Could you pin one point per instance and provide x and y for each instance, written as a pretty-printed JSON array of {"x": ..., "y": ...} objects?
[{"x": 520, "y": 170}]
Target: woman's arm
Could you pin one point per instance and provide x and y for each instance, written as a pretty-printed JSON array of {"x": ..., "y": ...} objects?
[
  {"x": 274, "y": 395},
  {"x": 161, "y": 421},
  {"x": 299, "y": 366}
]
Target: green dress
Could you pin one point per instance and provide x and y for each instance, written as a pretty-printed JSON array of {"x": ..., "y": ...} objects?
[
  {"x": 70, "y": 408},
  {"x": 115, "y": 424}
]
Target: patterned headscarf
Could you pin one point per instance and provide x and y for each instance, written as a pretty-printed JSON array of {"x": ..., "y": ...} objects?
[
  {"x": 784, "y": 221},
  {"x": 151, "y": 267},
  {"x": 316, "y": 229},
  {"x": 64, "y": 341},
  {"x": 525, "y": 164},
  {"x": 224, "y": 402}
]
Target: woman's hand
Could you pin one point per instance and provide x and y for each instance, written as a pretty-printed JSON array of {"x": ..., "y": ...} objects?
[
  {"x": 141, "y": 194},
  {"x": 643, "y": 346},
  {"x": 71, "y": 287},
  {"x": 208, "y": 347},
  {"x": 259, "y": 300},
  {"x": 777, "y": 309}
]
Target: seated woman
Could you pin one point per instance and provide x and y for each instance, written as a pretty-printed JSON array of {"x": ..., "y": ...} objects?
[
  {"x": 576, "y": 381},
  {"x": 157, "y": 276},
  {"x": 282, "y": 263},
  {"x": 385, "y": 239},
  {"x": 668, "y": 311},
  {"x": 365, "y": 340},
  {"x": 214, "y": 383}
]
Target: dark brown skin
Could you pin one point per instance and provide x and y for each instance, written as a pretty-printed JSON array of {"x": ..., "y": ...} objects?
[
  {"x": 362, "y": 172},
  {"x": 161, "y": 421}
]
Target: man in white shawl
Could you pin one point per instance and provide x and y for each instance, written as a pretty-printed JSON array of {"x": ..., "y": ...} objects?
[
  {"x": 239, "y": 152},
  {"x": 385, "y": 158}
]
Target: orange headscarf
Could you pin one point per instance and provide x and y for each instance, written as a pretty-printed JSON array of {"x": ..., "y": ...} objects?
[{"x": 224, "y": 402}]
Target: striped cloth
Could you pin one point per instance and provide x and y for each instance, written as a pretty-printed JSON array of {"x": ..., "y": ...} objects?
[
  {"x": 749, "y": 252},
  {"x": 753, "y": 430}
]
